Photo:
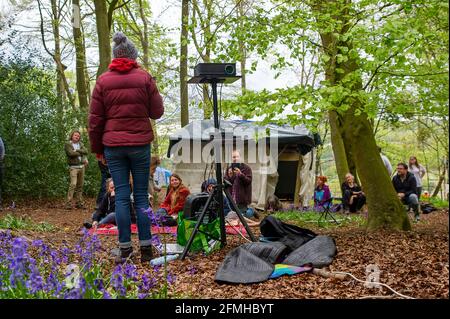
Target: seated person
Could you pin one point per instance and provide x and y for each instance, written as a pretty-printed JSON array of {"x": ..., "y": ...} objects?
[
  {"x": 322, "y": 194},
  {"x": 273, "y": 204},
  {"x": 105, "y": 214},
  {"x": 208, "y": 187},
  {"x": 174, "y": 201},
  {"x": 353, "y": 197},
  {"x": 406, "y": 187},
  {"x": 152, "y": 188}
]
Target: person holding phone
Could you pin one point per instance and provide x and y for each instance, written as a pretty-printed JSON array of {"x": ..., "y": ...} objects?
[{"x": 240, "y": 176}]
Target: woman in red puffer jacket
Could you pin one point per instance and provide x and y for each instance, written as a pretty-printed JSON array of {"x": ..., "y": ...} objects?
[{"x": 124, "y": 100}]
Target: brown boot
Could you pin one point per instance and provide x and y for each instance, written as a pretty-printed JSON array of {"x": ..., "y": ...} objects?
[{"x": 125, "y": 253}]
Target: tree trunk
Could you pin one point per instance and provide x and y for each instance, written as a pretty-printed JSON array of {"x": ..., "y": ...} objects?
[
  {"x": 145, "y": 52},
  {"x": 340, "y": 156},
  {"x": 104, "y": 46},
  {"x": 184, "y": 102},
  {"x": 63, "y": 89},
  {"x": 242, "y": 51},
  {"x": 439, "y": 185},
  {"x": 80, "y": 59},
  {"x": 86, "y": 73},
  {"x": 350, "y": 160},
  {"x": 385, "y": 209}
]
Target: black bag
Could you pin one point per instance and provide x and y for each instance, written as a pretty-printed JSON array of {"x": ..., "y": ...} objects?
[
  {"x": 290, "y": 235},
  {"x": 427, "y": 208}
]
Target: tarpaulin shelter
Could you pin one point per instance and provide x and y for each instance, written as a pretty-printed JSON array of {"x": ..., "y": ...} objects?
[{"x": 281, "y": 156}]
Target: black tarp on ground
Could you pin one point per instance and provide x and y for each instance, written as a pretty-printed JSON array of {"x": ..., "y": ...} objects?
[
  {"x": 290, "y": 235},
  {"x": 240, "y": 266},
  {"x": 254, "y": 262},
  {"x": 319, "y": 252}
]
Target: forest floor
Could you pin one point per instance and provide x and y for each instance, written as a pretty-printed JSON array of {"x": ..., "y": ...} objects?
[{"x": 414, "y": 263}]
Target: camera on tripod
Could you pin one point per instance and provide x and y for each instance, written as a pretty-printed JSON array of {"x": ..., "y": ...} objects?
[
  {"x": 211, "y": 204},
  {"x": 194, "y": 205}
]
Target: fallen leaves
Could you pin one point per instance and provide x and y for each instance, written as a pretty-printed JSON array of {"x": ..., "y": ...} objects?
[{"x": 414, "y": 263}]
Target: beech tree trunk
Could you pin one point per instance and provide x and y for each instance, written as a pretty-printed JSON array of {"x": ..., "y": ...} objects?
[
  {"x": 385, "y": 209},
  {"x": 104, "y": 45},
  {"x": 80, "y": 59},
  {"x": 184, "y": 102}
]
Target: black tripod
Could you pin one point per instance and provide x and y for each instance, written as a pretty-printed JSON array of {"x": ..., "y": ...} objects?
[{"x": 220, "y": 187}]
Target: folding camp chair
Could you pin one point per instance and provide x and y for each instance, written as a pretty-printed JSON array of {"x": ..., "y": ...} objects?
[{"x": 327, "y": 211}]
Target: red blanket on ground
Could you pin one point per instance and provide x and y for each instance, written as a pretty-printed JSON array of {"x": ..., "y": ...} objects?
[{"x": 110, "y": 229}]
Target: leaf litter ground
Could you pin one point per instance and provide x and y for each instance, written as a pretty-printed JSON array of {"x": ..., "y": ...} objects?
[{"x": 414, "y": 263}]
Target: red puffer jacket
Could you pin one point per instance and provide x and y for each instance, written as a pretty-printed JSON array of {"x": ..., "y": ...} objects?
[{"x": 123, "y": 100}]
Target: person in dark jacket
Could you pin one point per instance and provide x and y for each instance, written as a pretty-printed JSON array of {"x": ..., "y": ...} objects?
[
  {"x": 406, "y": 187},
  {"x": 76, "y": 157},
  {"x": 353, "y": 197},
  {"x": 208, "y": 187},
  {"x": 240, "y": 176},
  {"x": 124, "y": 100},
  {"x": 106, "y": 212}
]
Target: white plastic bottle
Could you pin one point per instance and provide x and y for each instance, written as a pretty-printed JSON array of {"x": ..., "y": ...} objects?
[{"x": 162, "y": 259}]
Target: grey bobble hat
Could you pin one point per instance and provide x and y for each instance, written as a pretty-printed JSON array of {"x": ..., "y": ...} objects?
[{"x": 123, "y": 48}]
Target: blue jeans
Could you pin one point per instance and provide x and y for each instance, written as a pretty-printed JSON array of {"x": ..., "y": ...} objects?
[
  {"x": 121, "y": 161},
  {"x": 108, "y": 219},
  {"x": 413, "y": 202},
  {"x": 105, "y": 175}
]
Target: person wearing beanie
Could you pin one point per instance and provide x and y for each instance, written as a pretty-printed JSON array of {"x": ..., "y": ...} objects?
[{"x": 124, "y": 100}]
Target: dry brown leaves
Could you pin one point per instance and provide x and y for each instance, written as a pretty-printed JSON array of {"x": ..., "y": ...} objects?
[{"x": 413, "y": 263}]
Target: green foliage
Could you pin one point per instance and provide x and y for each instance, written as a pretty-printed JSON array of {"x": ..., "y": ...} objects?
[
  {"x": 392, "y": 58},
  {"x": 34, "y": 128},
  {"x": 16, "y": 223},
  {"x": 307, "y": 219},
  {"x": 438, "y": 203}
]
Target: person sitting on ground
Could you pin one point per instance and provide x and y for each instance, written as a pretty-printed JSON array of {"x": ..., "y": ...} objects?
[
  {"x": 152, "y": 188},
  {"x": 354, "y": 197},
  {"x": 208, "y": 187},
  {"x": 106, "y": 212},
  {"x": 405, "y": 185},
  {"x": 174, "y": 202},
  {"x": 240, "y": 176},
  {"x": 322, "y": 194},
  {"x": 273, "y": 204}
]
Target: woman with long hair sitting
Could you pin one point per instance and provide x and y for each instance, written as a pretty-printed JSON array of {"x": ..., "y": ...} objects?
[
  {"x": 174, "y": 202},
  {"x": 354, "y": 197},
  {"x": 322, "y": 194}
]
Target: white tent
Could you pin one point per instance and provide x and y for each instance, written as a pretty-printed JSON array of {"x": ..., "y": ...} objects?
[{"x": 281, "y": 157}]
